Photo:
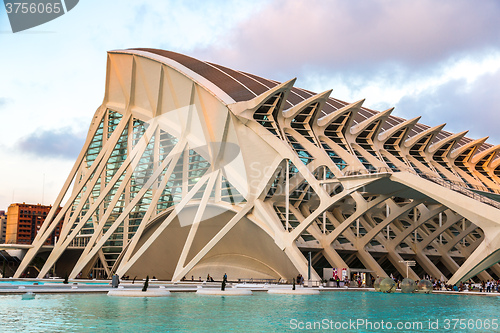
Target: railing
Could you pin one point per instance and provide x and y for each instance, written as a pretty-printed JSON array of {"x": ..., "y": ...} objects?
[
  {"x": 371, "y": 171},
  {"x": 459, "y": 187},
  {"x": 269, "y": 281},
  {"x": 481, "y": 188},
  {"x": 462, "y": 184},
  {"x": 80, "y": 242},
  {"x": 312, "y": 283}
]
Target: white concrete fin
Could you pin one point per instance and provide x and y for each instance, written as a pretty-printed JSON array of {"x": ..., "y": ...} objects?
[
  {"x": 329, "y": 118},
  {"x": 387, "y": 134},
  {"x": 317, "y": 114},
  {"x": 476, "y": 144},
  {"x": 495, "y": 164},
  {"x": 245, "y": 109},
  {"x": 455, "y": 137},
  {"x": 380, "y": 117},
  {"x": 319, "y": 98},
  {"x": 492, "y": 150},
  {"x": 410, "y": 142}
]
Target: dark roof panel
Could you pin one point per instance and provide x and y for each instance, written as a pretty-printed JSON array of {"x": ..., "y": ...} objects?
[
  {"x": 265, "y": 82},
  {"x": 225, "y": 82},
  {"x": 294, "y": 97},
  {"x": 302, "y": 93},
  {"x": 256, "y": 87},
  {"x": 243, "y": 86}
]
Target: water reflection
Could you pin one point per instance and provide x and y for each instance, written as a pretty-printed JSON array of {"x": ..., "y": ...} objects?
[{"x": 260, "y": 312}]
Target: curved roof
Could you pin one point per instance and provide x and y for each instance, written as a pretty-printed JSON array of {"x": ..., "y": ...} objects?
[{"x": 242, "y": 86}]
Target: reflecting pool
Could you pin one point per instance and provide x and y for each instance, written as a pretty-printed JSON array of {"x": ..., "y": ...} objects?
[
  {"x": 31, "y": 282},
  {"x": 261, "y": 312},
  {"x": 19, "y": 282}
]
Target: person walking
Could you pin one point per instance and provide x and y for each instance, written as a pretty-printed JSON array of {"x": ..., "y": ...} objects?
[{"x": 115, "y": 281}]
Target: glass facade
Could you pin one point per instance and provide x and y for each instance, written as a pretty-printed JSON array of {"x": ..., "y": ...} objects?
[{"x": 122, "y": 207}]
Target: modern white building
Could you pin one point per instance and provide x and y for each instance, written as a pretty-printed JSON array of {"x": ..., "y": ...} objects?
[{"x": 191, "y": 168}]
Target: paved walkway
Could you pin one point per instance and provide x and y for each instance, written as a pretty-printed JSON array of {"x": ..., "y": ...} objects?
[{"x": 51, "y": 286}]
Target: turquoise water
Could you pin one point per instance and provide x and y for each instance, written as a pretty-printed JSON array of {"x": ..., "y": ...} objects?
[
  {"x": 188, "y": 312},
  {"x": 27, "y": 283},
  {"x": 16, "y": 282}
]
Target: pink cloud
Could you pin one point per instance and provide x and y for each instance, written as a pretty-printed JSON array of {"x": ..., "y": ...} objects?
[{"x": 339, "y": 33}]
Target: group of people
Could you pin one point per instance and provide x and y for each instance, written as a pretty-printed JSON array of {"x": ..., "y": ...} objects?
[
  {"x": 209, "y": 278},
  {"x": 490, "y": 286},
  {"x": 358, "y": 280},
  {"x": 485, "y": 286}
]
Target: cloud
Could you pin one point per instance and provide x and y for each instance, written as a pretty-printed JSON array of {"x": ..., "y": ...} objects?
[
  {"x": 63, "y": 143},
  {"x": 4, "y": 105},
  {"x": 3, "y": 102},
  {"x": 180, "y": 25},
  {"x": 340, "y": 35},
  {"x": 463, "y": 105}
]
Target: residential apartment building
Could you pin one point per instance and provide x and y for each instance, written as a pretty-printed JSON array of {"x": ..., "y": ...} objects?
[{"x": 23, "y": 222}]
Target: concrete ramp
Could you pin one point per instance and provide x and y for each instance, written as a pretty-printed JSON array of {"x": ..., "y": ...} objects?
[{"x": 476, "y": 209}]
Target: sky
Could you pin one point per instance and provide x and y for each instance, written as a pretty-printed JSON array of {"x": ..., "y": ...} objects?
[{"x": 438, "y": 59}]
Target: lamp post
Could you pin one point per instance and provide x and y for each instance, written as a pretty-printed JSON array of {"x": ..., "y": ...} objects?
[
  {"x": 309, "y": 267},
  {"x": 54, "y": 267},
  {"x": 409, "y": 263}
]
